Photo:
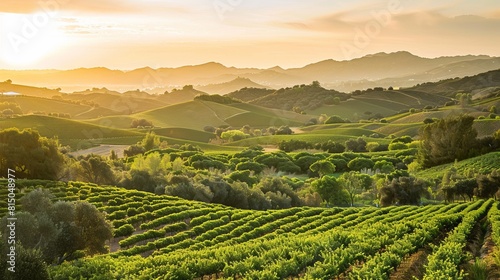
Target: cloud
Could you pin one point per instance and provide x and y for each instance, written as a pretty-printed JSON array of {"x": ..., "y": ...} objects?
[{"x": 87, "y": 6}]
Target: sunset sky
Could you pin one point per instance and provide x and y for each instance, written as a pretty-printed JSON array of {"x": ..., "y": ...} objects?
[{"x": 127, "y": 34}]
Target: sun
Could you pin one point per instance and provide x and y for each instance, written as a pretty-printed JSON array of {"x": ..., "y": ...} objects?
[{"x": 28, "y": 38}]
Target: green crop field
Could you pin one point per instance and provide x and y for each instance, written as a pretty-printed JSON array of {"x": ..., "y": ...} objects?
[{"x": 178, "y": 239}]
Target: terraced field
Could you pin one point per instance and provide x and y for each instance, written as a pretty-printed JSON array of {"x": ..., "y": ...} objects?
[{"x": 162, "y": 237}]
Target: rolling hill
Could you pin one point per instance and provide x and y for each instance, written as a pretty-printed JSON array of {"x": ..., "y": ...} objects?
[
  {"x": 230, "y": 86},
  {"x": 198, "y": 114},
  {"x": 77, "y": 134},
  {"x": 76, "y": 109}
]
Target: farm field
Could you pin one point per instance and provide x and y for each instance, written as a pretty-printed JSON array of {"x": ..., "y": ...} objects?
[{"x": 163, "y": 237}]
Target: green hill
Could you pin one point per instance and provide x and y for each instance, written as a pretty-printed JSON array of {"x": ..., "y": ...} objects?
[
  {"x": 129, "y": 103},
  {"x": 31, "y": 104},
  {"x": 450, "y": 87},
  {"x": 70, "y": 132},
  {"x": 198, "y": 114}
]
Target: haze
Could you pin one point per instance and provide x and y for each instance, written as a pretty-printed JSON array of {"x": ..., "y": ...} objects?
[{"x": 67, "y": 34}]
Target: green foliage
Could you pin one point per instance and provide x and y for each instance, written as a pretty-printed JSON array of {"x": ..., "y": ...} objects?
[
  {"x": 29, "y": 154},
  {"x": 233, "y": 135},
  {"x": 359, "y": 163},
  {"x": 124, "y": 230},
  {"x": 397, "y": 146},
  {"x": 447, "y": 140},
  {"x": 293, "y": 145},
  {"x": 331, "y": 190},
  {"x": 60, "y": 229},
  {"x": 402, "y": 190},
  {"x": 354, "y": 184},
  {"x": 150, "y": 141},
  {"x": 95, "y": 169},
  {"x": 29, "y": 265},
  {"x": 322, "y": 167},
  {"x": 356, "y": 145}
]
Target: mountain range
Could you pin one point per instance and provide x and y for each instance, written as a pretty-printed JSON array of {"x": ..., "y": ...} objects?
[{"x": 398, "y": 69}]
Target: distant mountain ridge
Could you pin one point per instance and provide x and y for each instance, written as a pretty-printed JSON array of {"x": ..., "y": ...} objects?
[{"x": 380, "y": 69}]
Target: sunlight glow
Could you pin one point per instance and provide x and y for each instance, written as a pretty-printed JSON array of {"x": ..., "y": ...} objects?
[{"x": 28, "y": 38}]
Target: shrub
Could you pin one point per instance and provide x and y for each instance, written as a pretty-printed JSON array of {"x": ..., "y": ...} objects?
[
  {"x": 397, "y": 146},
  {"x": 124, "y": 230}
]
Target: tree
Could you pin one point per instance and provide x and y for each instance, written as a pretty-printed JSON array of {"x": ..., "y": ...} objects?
[
  {"x": 133, "y": 150},
  {"x": 322, "y": 167},
  {"x": 150, "y": 141},
  {"x": 487, "y": 186},
  {"x": 284, "y": 130},
  {"x": 402, "y": 190},
  {"x": 464, "y": 99},
  {"x": 233, "y": 135},
  {"x": 93, "y": 227},
  {"x": 29, "y": 265},
  {"x": 141, "y": 122},
  {"x": 330, "y": 190},
  {"x": 316, "y": 84},
  {"x": 93, "y": 168},
  {"x": 60, "y": 229},
  {"x": 466, "y": 188},
  {"x": 360, "y": 163},
  {"x": 354, "y": 184},
  {"x": 32, "y": 156},
  {"x": 446, "y": 140},
  {"x": 356, "y": 145}
]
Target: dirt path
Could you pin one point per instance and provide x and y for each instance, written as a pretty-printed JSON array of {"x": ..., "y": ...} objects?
[{"x": 102, "y": 150}]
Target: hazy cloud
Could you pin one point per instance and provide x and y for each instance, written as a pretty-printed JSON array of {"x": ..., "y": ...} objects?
[{"x": 90, "y": 6}]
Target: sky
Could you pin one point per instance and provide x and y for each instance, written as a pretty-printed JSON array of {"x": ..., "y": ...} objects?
[{"x": 129, "y": 34}]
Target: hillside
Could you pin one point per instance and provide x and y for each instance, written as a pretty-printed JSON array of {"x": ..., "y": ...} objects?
[
  {"x": 7, "y": 86},
  {"x": 249, "y": 94},
  {"x": 187, "y": 93},
  {"x": 180, "y": 239},
  {"x": 71, "y": 132},
  {"x": 75, "y": 109},
  {"x": 126, "y": 103},
  {"x": 450, "y": 87},
  {"x": 198, "y": 114},
  {"x": 230, "y": 86}
]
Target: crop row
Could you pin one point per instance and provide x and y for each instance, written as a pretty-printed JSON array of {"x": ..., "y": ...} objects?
[{"x": 444, "y": 261}]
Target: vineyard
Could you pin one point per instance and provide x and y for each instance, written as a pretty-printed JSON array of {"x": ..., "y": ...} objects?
[{"x": 162, "y": 237}]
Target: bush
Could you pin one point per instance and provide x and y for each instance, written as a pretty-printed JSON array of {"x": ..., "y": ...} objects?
[
  {"x": 124, "y": 230},
  {"x": 360, "y": 163},
  {"x": 397, "y": 146}
]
